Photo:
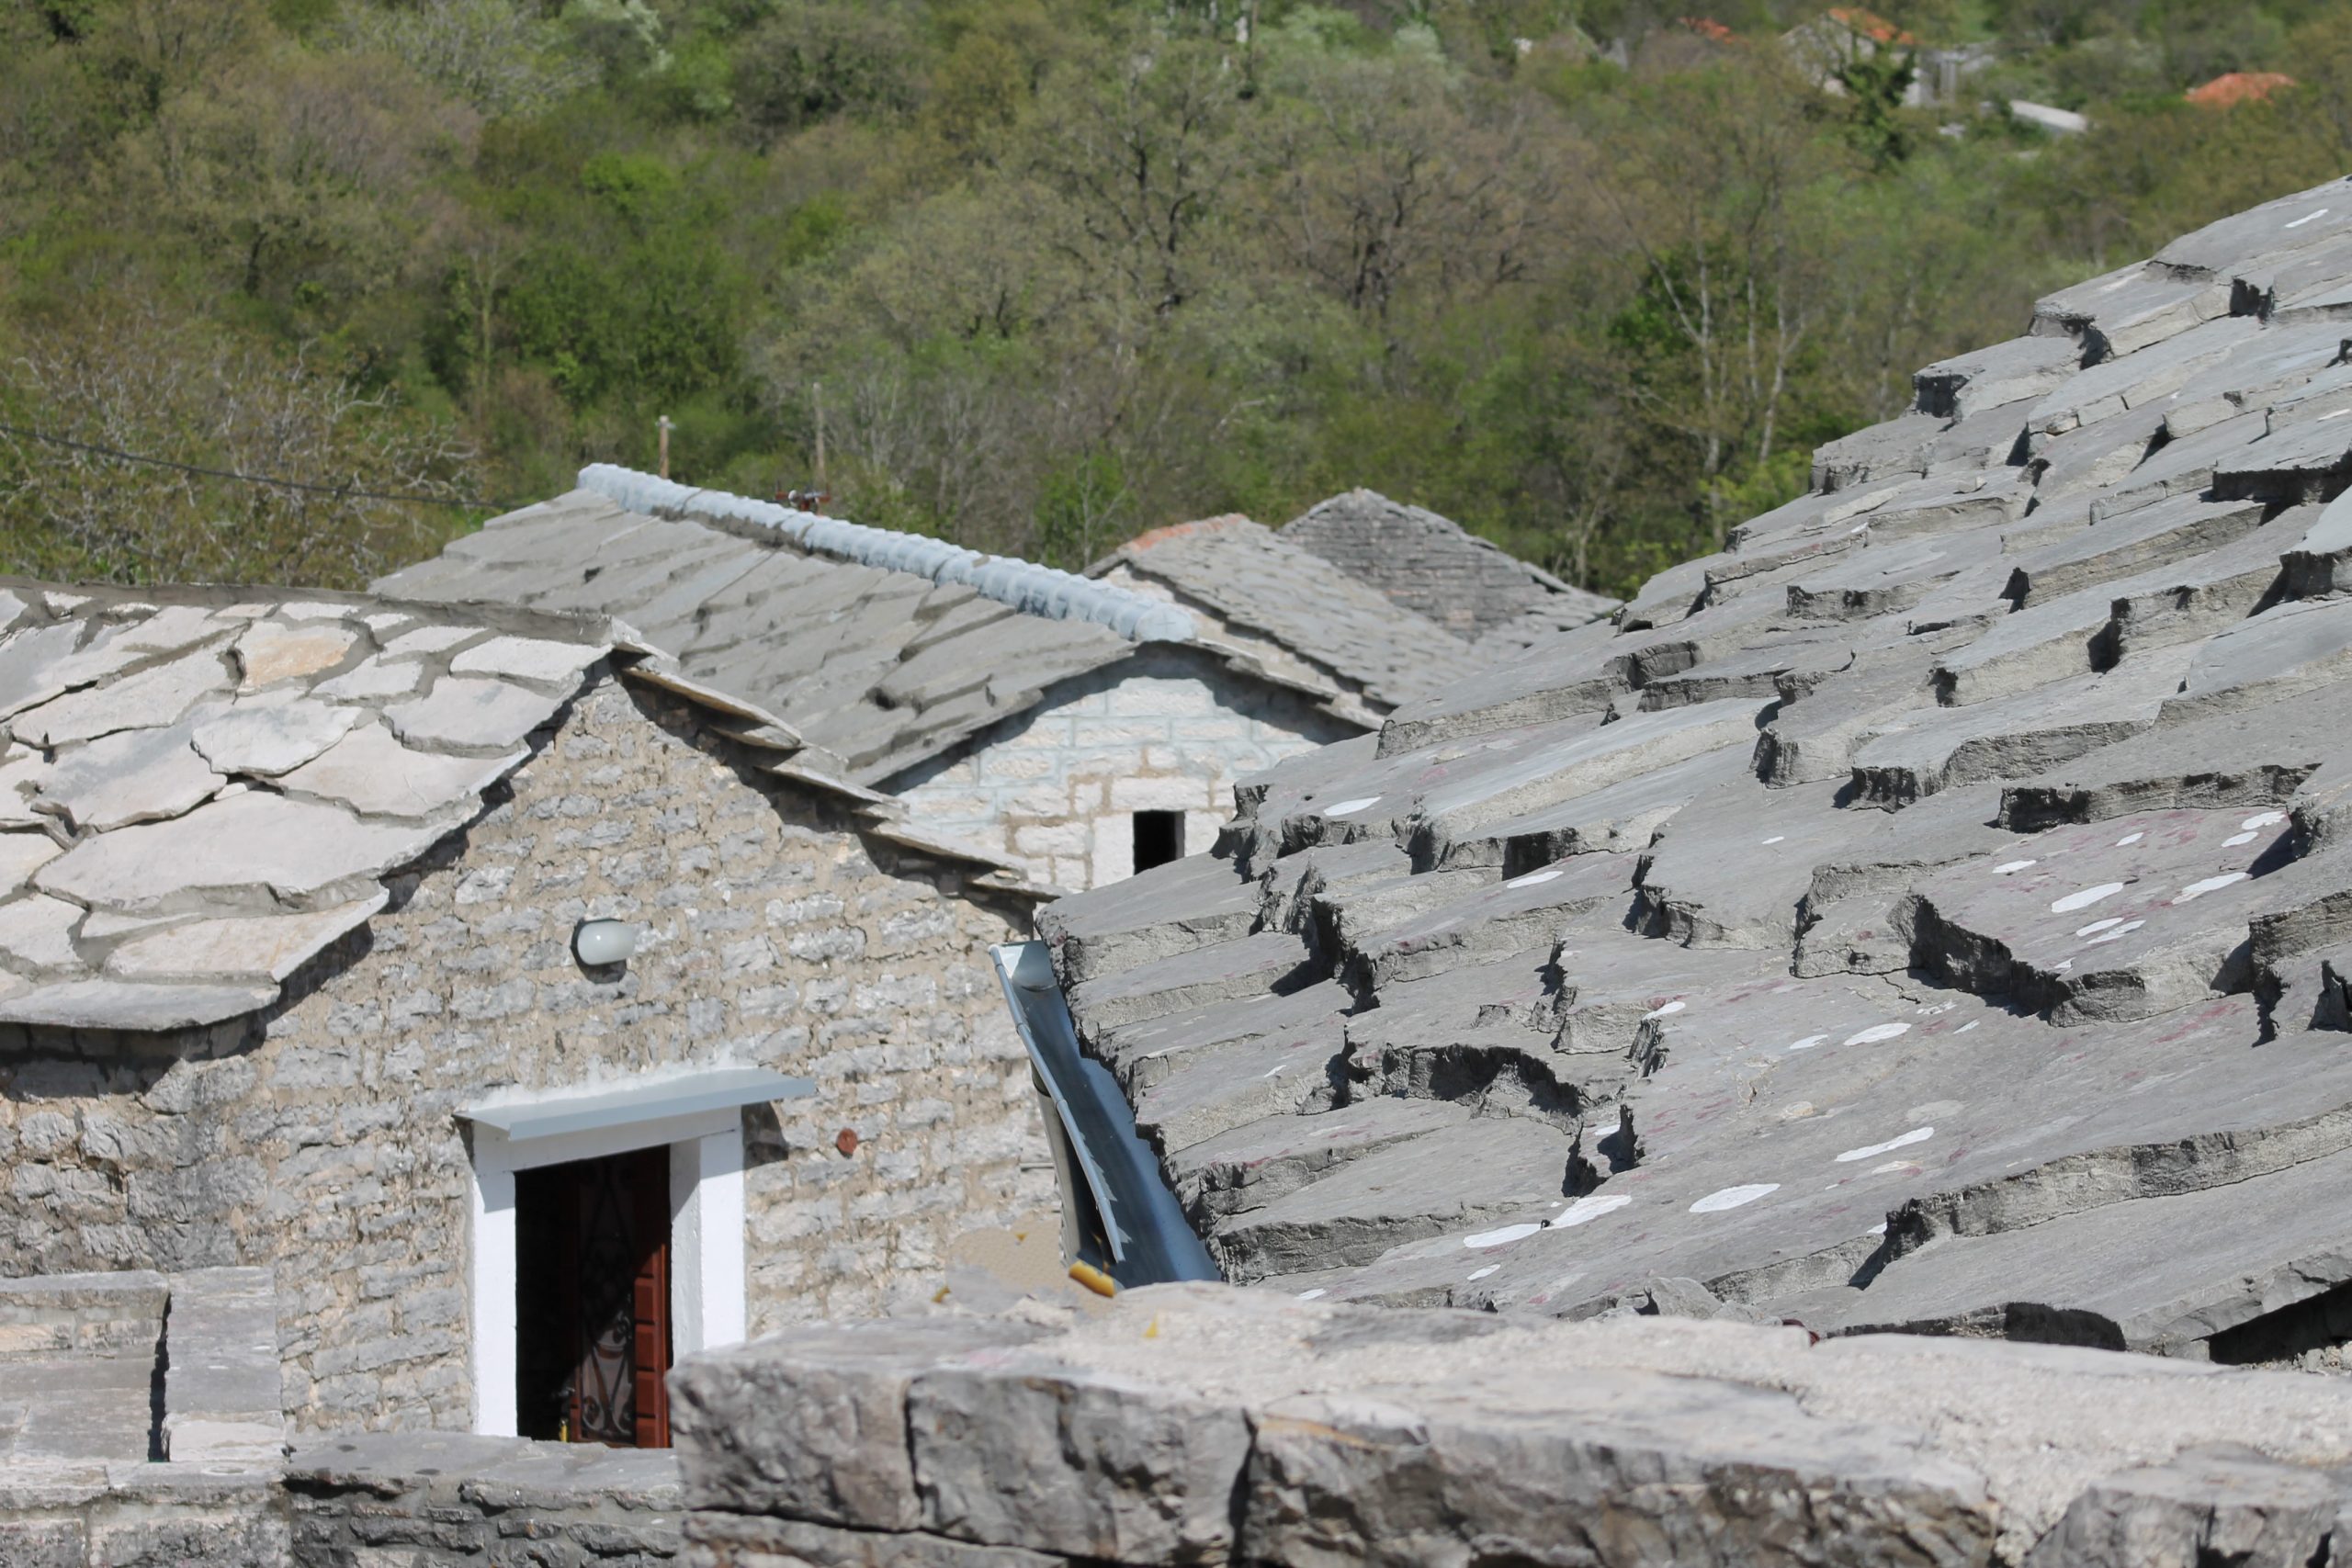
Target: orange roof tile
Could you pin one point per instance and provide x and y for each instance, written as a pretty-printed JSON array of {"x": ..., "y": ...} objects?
[
  {"x": 1871, "y": 25},
  {"x": 2234, "y": 87},
  {"x": 1184, "y": 530}
]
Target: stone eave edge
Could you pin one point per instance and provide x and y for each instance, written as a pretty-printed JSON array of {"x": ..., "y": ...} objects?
[
  {"x": 1025, "y": 586},
  {"x": 810, "y": 767},
  {"x": 1330, "y": 696}
]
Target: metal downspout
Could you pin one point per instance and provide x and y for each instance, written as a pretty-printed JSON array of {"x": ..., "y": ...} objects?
[{"x": 1119, "y": 1215}]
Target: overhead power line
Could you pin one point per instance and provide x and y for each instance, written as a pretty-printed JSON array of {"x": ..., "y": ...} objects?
[{"x": 341, "y": 491}]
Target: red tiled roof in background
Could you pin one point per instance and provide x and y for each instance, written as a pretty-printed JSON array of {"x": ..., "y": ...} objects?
[
  {"x": 2234, "y": 87},
  {"x": 1183, "y": 530},
  {"x": 1872, "y": 25}
]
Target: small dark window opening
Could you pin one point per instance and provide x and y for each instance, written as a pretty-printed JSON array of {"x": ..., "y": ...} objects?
[{"x": 1159, "y": 838}]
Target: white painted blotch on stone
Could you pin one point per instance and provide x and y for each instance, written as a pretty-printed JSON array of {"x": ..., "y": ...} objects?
[
  {"x": 1588, "y": 1209},
  {"x": 2013, "y": 865},
  {"x": 1916, "y": 1136},
  {"x": 2210, "y": 884},
  {"x": 1534, "y": 877},
  {"x": 1734, "y": 1197},
  {"x": 1877, "y": 1033},
  {"x": 1502, "y": 1237},
  {"x": 1807, "y": 1043},
  {"x": 1349, "y": 808},
  {"x": 2085, "y": 898}
]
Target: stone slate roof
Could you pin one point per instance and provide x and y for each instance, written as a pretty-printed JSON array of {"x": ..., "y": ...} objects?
[
  {"x": 1257, "y": 585},
  {"x": 881, "y": 650},
  {"x": 201, "y": 789},
  {"x": 1931, "y": 911},
  {"x": 1430, "y": 565}
]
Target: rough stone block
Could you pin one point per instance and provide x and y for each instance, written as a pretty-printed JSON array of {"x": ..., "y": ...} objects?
[
  {"x": 734, "y": 1540},
  {"x": 1066, "y": 1461},
  {"x": 812, "y": 1423}
]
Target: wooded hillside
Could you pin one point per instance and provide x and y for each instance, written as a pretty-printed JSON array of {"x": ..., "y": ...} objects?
[{"x": 1591, "y": 279}]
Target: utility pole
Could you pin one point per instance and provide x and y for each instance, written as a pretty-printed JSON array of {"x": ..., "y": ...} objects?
[
  {"x": 666, "y": 427},
  {"x": 817, "y": 396}
]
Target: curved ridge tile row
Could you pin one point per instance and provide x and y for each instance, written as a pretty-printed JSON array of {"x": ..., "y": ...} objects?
[
  {"x": 1032, "y": 589},
  {"x": 1933, "y": 912}
]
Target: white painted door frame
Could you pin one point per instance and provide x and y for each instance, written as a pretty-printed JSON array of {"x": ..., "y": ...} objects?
[{"x": 707, "y": 1291}]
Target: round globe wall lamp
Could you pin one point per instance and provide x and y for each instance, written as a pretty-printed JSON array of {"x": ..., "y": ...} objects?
[{"x": 597, "y": 943}]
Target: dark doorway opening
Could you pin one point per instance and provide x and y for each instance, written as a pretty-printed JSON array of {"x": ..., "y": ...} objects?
[
  {"x": 592, "y": 1299},
  {"x": 1159, "y": 838}
]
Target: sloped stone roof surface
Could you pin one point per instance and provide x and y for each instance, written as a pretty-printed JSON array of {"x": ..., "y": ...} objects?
[
  {"x": 201, "y": 789},
  {"x": 1256, "y": 582},
  {"x": 876, "y": 667},
  {"x": 1929, "y": 912},
  {"x": 198, "y": 794},
  {"x": 1434, "y": 566}
]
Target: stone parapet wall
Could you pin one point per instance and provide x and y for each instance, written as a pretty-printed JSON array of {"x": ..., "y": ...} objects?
[
  {"x": 1056, "y": 789},
  {"x": 1196, "y": 1424},
  {"x": 222, "y": 1401},
  {"x": 741, "y": 1541},
  {"x": 132, "y": 1515},
  {"x": 322, "y": 1137},
  {"x": 446, "y": 1498},
  {"x": 414, "y": 1500},
  {"x": 81, "y": 1315}
]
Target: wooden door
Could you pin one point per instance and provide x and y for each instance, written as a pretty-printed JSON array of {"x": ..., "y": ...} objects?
[
  {"x": 649, "y": 1305},
  {"x": 617, "y": 1274}
]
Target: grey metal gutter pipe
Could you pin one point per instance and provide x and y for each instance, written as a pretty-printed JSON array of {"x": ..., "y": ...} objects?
[{"x": 1118, "y": 1215}]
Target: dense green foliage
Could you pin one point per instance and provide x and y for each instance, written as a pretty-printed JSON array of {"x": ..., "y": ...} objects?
[{"x": 1038, "y": 274}]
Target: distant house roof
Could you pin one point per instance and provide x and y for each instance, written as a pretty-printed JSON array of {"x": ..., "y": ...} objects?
[
  {"x": 2234, "y": 87},
  {"x": 879, "y": 650},
  {"x": 1871, "y": 25},
  {"x": 1431, "y": 565},
  {"x": 202, "y": 789},
  {"x": 1261, "y": 589}
]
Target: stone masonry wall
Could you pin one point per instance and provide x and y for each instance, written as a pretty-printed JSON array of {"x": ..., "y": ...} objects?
[
  {"x": 1057, "y": 788},
  {"x": 320, "y": 1138},
  {"x": 431, "y": 1498}
]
